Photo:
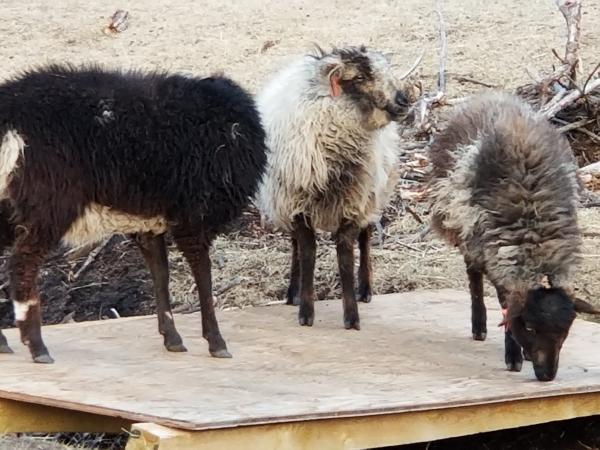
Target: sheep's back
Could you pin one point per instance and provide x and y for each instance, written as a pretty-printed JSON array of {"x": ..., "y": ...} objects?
[
  {"x": 147, "y": 144},
  {"x": 505, "y": 189}
]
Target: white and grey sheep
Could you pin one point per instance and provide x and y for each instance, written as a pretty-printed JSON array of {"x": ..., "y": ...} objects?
[{"x": 333, "y": 146}]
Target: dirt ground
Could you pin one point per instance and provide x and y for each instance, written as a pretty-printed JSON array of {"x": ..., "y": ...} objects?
[{"x": 492, "y": 42}]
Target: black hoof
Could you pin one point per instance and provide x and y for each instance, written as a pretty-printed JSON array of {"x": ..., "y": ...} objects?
[
  {"x": 292, "y": 297},
  {"x": 364, "y": 294},
  {"x": 305, "y": 321},
  {"x": 306, "y": 315},
  {"x": 479, "y": 336},
  {"x": 514, "y": 360},
  {"x": 176, "y": 348},
  {"x": 174, "y": 343},
  {"x": 43, "y": 359},
  {"x": 365, "y": 298},
  {"x": 514, "y": 366},
  {"x": 223, "y": 353},
  {"x": 351, "y": 320}
]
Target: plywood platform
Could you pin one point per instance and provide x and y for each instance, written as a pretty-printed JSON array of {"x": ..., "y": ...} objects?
[{"x": 414, "y": 354}]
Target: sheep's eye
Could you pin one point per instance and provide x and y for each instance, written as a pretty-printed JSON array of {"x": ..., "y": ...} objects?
[
  {"x": 530, "y": 330},
  {"x": 359, "y": 78}
]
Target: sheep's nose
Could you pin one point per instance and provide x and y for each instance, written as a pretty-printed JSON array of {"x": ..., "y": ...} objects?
[{"x": 401, "y": 99}]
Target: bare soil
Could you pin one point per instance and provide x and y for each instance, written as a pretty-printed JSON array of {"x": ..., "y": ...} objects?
[{"x": 491, "y": 42}]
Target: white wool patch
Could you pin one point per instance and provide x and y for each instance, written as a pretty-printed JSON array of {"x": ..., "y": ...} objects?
[
  {"x": 99, "y": 222},
  {"x": 11, "y": 148},
  {"x": 452, "y": 195},
  {"x": 22, "y": 308}
]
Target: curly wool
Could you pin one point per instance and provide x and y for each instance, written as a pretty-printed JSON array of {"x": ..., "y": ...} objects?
[
  {"x": 86, "y": 152},
  {"x": 505, "y": 191},
  {"x": 322, "y": 162}
]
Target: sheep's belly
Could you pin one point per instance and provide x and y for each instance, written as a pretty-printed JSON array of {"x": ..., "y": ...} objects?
[
  {"x": 329, "y": 215},
  {"x": 100, "y": 221}
]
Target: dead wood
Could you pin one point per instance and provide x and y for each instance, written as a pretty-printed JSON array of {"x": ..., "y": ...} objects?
[
  {"x": 423, "y": 107},
  {"x": 573, "y": 106}
]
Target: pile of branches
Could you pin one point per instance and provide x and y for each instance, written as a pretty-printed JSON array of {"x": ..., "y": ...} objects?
[{"x": 567, "y": 98}]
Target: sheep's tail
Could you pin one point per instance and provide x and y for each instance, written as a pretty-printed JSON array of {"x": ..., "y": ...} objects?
[{"x": 11, "y": 151}]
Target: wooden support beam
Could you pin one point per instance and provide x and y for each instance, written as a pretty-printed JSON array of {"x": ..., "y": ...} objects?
[
  {"x": 370, "y": 431},
  {"x": 24, "y": 417}
]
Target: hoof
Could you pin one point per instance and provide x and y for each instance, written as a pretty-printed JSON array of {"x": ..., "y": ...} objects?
[
  {"x": 292, "y": 297},
  {"x": 351, "y": 319},
  {"x": 479, "y": 336},
  {"x": 364, "y": 294},
  {"x": 43, "y": 359},
  {"x": 306, "y": 321},
  {"x": 352, "y": 324},
  {"x": 514, "y": 366},
  {"x": 223, "y": 353},
  {"x": 306, "y": 314},
  {"x": 365, "y": 298},
  {"x": 176, "y": 348},
  {"x": 5, "y": 349}
]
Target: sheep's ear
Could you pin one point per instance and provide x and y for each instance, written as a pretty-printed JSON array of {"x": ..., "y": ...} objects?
[
  {"x": 335, "y": 75},
  {"x": 581, "y": 306}
]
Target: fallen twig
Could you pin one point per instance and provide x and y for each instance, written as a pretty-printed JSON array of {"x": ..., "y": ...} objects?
[
  {"x": 473, "y": 81},
  {"x": 413, "y": 213},
  {"x": 229, "y": 285},
  {"x": 91, "y": 257},
  {"x": 77, "y": 288}
]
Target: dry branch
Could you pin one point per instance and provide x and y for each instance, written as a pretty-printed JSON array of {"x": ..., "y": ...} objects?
[
  {"x": 91, "y": 257},
  {"x": 413, "y": 67},
  {"x": 426, "y": 103},
  {"x": 552, "y": 108},
  {"x": 575, "y": 107}
]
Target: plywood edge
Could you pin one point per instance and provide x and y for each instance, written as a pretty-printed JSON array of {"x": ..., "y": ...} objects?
[
  {"x": 371, "y": 431},
  {"x": 133, "y": 417},
  {"x": 24, "y": 417}
]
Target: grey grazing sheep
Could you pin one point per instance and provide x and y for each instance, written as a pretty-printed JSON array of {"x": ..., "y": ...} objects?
[
  {"x": 504, "y": 191},
  {"x": 332, "y": 153}
]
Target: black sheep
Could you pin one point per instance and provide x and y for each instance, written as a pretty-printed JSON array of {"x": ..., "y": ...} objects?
[{"x": 87, "y": 152}]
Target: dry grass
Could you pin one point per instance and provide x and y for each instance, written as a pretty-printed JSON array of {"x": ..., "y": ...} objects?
[{"x": 77, "y": 441}]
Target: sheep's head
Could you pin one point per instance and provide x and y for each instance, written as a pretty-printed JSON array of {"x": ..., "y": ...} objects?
[
  {"x": 365, "y": 77},
  {"x": 541, "y": 325}
]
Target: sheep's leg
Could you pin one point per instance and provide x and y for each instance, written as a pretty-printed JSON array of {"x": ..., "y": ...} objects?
[
  {"x": 196, "y": 252},
  {"x": 25, "y": 262},
  {"x": 307, "y": 252},
  {"x": 154, "y": 250},
  {"x": 294, "y": 287},
  {"x": 345, "y": 239},
  {"x": 6, "y": 239},
  {"x": 365, "y": 271},
  {"x": 513, "y": 356},
  {"x": 478, "y": 311}
]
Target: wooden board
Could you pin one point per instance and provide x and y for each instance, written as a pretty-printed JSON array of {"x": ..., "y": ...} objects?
[{"x": 414, "y": 353}]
